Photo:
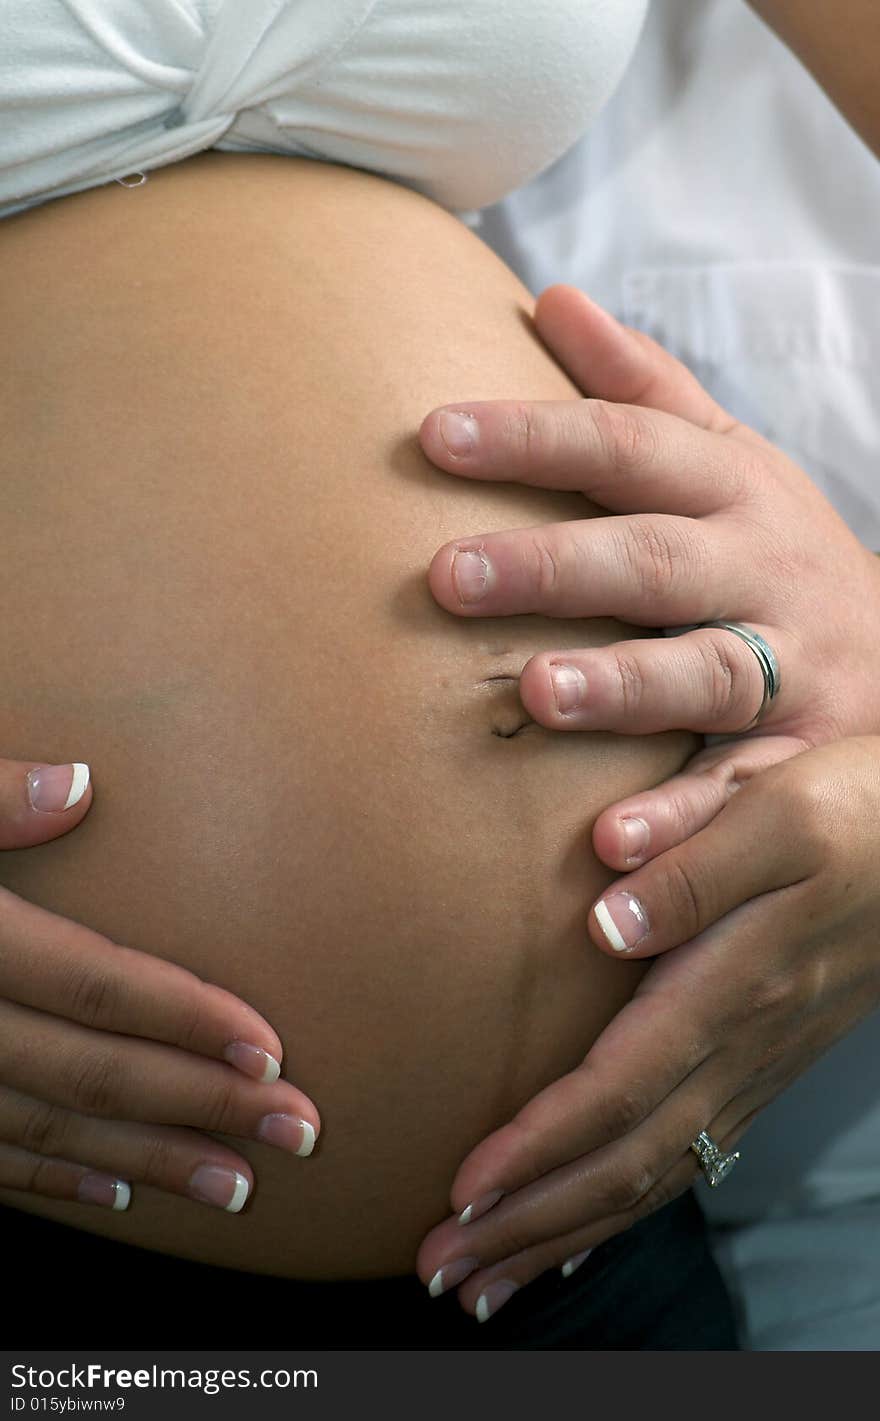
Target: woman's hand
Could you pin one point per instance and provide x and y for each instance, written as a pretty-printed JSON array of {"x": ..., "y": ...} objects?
[
  {"x": 778, "y": 904},
  {"x": 99, "y": 1042}
]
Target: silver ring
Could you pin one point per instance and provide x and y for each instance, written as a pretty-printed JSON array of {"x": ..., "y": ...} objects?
[
  {"x": 767, "y": 660},
  {"x": 714, "y": 1163}
]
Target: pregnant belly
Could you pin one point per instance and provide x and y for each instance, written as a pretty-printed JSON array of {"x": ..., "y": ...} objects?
[{"x": 313, "y": 786}]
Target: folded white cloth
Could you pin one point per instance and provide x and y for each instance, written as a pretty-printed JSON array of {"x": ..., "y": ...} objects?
[{"x": 461, "y": 101}]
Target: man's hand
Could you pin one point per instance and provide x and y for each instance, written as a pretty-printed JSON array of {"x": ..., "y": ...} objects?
[{"x": 716, "y": 523}]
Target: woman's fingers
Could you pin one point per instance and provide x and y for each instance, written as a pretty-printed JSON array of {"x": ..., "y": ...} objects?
[
  {"x": 39, "y": 802},
  {"x": 59, "y": 1179},
  {"x": 176, "y": 1160},
  {"x": 63, "y": 968},
  {"x": 587, "y": 1200},
  {"x": 737, "y": 857},
  {"x": 706, "y": 681},
  {"x": 487, "y": 1288},
  {"x": 637, "y": 829},
  {"x": 125, "y": 1078}
]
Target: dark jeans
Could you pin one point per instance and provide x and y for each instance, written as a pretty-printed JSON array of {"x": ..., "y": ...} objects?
[{"x": 654, "y": 1288}]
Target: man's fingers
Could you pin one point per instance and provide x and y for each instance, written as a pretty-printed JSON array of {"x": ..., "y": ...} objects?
[
  {"x": 40, "y": 802},
  {"x": 620, "y": 456},
  {"x": 635, "y": 830},
  {"x": 612, "y": 362},
  {"x": 653, "y": 570},
  {"x": 706, "y": 681},
  {"x": 65, "y": 969}
]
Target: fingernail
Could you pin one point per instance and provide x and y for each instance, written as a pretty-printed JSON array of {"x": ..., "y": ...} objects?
[
  {"x": 52, "y": 788},
  {"x": 471, "y": 573},
  {"x": 636, "y": 835},
  {"x": 103, "y": 1189},
  {"x": 494, "y": 1297},
  {"x": 288, "y": 1132},
  {"x": 252, "y": 1061},
  {"x": 569, "y": 686},
  {"x": 459, "y": 432},
  {"x": 450, "y": 1275},
  {"x": 623, "y": 920},
  {"x": 213, "y": 1184},
  {"x": 480, "y": 1206},
  {"x": 574, "y": 1262}
]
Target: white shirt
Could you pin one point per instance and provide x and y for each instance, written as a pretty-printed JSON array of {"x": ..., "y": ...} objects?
[{"x": 722, "y": 204}]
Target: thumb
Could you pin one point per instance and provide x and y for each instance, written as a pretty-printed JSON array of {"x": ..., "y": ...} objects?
[
  {"x": 40, "y": 802},
  {"x": 609, "y": 361}
]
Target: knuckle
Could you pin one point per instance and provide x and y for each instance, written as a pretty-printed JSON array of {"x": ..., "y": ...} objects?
[
  {"x": 630, "y": 440},
  {"x": 218, "y": 1108},
  {"x": 546, "y": 569},
  {"x": 523, "y": 432},
  {"x": 726, "y": 679},
  {"x": 42, "y": 1176},
  {"x": 94, "y": 1084},
  {"x": 631, "y": 681},
  {"x": 157, "y": 1161},
  {"x": 655, "y": 557},
  {"x": 620, "y": 1112},
  {"x": 42, "y": 1132},
  {"x": 631, "y": 1183},
  {"x": 685, "y": 898},
  {"x": 91, "y": 996}
]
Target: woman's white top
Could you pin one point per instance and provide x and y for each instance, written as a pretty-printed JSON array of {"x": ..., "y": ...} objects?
[
  {"x": 463, "y": 100},
  {"x": 723, "y": 205}
]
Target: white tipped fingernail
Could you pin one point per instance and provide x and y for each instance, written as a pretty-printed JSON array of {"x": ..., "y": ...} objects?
[
  {"x": 54, "y": 788},
  {"x": 222, "y": 1187},
  {"x": 623, "y": 920},
  {"x": 78, "y": 785},
  {"x": 308, "y": 1140},
  {"x": 481, "y": 1206},
  {"x": 494, "y": 1297},
  {"x": 123, "y": 1195},
  {"x": 450, "y": 1275},
  {"x": 574, "y": 1262},
  {"x": 253, "y": 1061}
]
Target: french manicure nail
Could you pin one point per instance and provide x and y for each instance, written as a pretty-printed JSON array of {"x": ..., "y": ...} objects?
[
  {"x": 53, "y": 788},
  {"x": 574, "y": 1262},
  {"x": 472, "y": 574},
  {"x": 459, "y": 432},
  {"x": 494, "y": 1297},
  {"x": 214, "y": 1184},
  {"x": 103, "y": 1189},
  {"x": 569, "y": 687},
  {"x": 450, "y": 1275},
  {"x": 636, "y": 836},
  {"x": 623, "y": 920},
  {"x": 480, "y": 1206},
  {"x": 252, "y": 1061},
  {"x": 287, "y": 1132}
]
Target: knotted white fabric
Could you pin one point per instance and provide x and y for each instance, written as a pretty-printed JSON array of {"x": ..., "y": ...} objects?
[{"x": 462, "y": 101}]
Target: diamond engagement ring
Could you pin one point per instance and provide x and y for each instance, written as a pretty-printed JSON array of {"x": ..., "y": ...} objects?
[{"x": 714, "y": 1163}]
